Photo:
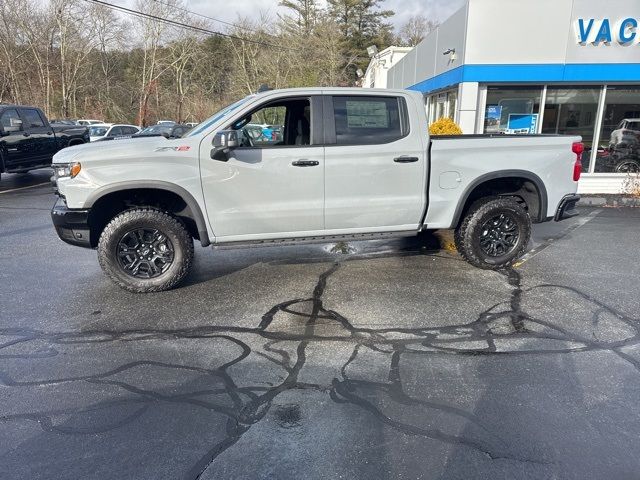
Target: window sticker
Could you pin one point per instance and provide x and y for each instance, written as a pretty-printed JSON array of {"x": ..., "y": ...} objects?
[{"x": 367, "y": 114}]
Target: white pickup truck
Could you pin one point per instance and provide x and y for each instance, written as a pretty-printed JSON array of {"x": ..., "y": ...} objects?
[{"x": 301, "y": 165}]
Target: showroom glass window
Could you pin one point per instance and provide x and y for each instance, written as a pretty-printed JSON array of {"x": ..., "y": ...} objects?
[
  {"x": 441, "y": 105},
  {"x": 512, "y": 110},
  {"x": 619, "y": 142},
  {"x": 572, "y": 111}
]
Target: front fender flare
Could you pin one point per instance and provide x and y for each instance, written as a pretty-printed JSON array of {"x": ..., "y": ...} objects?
[{"x": 191, "y": 202}]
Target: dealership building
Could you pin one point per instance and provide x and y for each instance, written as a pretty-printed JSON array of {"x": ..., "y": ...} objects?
[{"x": 550, "y": 66}]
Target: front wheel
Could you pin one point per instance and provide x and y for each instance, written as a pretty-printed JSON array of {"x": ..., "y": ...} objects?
[
  {"x": 145, "y": 250},
  {"x": 494, "y": 232}
]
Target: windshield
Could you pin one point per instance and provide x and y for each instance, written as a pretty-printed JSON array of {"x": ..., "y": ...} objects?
[
  {"x": 216, "y": 116},
  {"x": 156, "y": 130},
  {"x": 97, "y": 131}
]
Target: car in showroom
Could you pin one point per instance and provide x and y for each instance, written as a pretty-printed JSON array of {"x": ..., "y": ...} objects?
[{"x": 627, "y": 133}]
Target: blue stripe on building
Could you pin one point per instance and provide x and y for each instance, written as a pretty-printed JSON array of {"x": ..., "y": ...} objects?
[{"x": 570, "y": 72}]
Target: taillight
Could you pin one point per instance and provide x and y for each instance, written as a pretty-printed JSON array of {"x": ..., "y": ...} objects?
[{"x": 578, "y": 149}]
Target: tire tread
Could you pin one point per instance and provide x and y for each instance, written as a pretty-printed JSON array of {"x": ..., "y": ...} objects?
[
  {"x": 104, "y": 257},
  {"x": 473, "y": 215}
]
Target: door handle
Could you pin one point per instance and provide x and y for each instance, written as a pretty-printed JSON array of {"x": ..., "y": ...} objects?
[
  {"x": 26, "y": 134},
  {"x": 405, "y": 159},
  {"x": 305, "y": 163}
]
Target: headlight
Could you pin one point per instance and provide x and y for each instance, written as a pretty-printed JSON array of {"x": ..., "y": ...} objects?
[{"x": 61, "y": 170}]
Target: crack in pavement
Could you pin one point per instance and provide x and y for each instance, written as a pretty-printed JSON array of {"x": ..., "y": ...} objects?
[{"x": 246, "y": 406}]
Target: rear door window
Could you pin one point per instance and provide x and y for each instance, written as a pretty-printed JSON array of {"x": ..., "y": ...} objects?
[
  {"x": 115, "y": 131},
  {"x": 32, "y": 118},
  {"x": 361, "y": 120}
]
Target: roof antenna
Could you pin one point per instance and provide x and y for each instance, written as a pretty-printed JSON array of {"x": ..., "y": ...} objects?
[{"x": 264, "y": 88}]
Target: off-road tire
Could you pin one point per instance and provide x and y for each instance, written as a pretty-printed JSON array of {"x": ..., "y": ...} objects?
[
  {"x": 149, "y": 218},
  {"x": 468, "y": 234}
]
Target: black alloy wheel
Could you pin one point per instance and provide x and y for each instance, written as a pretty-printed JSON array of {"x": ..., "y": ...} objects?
[
  {"x": 145, "y": 253},
  {"x": 499, "y": 235}
]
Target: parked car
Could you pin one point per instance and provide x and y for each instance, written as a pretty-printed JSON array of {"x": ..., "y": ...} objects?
[
  {"x": 63, "y": 122},
  {"x": 109, "y": 131},
  {"x": 166, "y": 122},
  {"x": 88, "y": 122},
  {"x": 627, "y": 133},
  {"x": 164, "y": 130},
  {"x": 190, "y": 124},
  {"x": 28, "y": 141},
  {"x": 352, "y": 164}
]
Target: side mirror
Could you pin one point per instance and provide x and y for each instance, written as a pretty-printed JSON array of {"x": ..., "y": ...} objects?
[{"x": 224, "y": 141}]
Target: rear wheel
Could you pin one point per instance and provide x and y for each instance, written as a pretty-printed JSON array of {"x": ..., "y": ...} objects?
[
  {"x": 145, "y": 250},
  {"x": 494, "y": 232}
]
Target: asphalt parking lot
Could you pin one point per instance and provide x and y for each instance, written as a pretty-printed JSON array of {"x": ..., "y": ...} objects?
[{"x": 390, "y": 361}]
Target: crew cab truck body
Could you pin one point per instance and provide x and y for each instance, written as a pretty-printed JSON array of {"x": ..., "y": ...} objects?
[
  {"x": 351, "y": 163},
  {"x": 28, "y": 141}
]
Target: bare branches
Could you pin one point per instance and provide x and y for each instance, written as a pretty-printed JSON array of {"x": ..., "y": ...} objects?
[{"x": 157, "y": 59}]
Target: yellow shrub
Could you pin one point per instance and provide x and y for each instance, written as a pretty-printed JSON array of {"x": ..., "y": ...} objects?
[
  {"x": 444, "y": 126},
  {"x": 631, "y": 185}
]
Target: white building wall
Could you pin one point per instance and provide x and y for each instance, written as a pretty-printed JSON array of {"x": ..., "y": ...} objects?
[
  {"x": 468, "y": 106},
  {"x": 380, "y": 72},
  {"x": 500, "y": 32},
  {"x": 429, "y": 60}
]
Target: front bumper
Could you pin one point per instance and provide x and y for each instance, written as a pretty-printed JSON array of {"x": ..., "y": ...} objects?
[
  {"x": 72, "y": 226},
  {"x": 567, "y": 207}
]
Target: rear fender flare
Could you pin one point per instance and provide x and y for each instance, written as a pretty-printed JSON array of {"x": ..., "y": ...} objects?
[{"x": 532, "y": 177}]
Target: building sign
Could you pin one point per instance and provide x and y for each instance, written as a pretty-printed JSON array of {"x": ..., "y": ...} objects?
[{"x": 606, "y": 31}]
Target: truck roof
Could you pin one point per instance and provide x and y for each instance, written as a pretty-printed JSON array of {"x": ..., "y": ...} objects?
[
  {"x": 340, "y": 91},
  {"x": 11, "y": 105}
]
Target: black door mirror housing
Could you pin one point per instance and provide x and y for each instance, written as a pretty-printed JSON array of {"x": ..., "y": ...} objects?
[{"x": 224, "y": 141}]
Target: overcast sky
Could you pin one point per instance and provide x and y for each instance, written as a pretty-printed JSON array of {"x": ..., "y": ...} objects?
[{"x": 228, "y": 10}]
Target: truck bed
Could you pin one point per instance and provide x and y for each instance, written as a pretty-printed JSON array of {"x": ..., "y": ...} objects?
[{"x": 460, "y": 162}]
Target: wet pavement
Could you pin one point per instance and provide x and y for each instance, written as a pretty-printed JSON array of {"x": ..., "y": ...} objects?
[{"x": 392, "y": 360}]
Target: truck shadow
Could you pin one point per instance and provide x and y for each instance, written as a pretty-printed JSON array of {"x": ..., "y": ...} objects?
[{"x": 227, "y": 261}]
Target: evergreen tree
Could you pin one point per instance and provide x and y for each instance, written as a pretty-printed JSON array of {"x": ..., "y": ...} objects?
[
  {"x": 304, "y": 15},
  {"x": 362, "y": 24}
]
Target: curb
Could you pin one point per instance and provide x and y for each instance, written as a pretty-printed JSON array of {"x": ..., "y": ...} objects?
[{"x": 612, "y": 200}]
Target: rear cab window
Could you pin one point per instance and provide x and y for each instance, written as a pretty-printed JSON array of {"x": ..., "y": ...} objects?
[
  {"x": 10, "y": 121},
  {"x": 369, "y": 120}
]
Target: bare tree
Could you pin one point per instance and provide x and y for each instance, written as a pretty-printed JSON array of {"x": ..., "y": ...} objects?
[
  {"x": 74, "y": 40},
  {"x": 415, "y": 29},
  {"x": 153, "y": 33},
  {"x": 111, "y": 34}
]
